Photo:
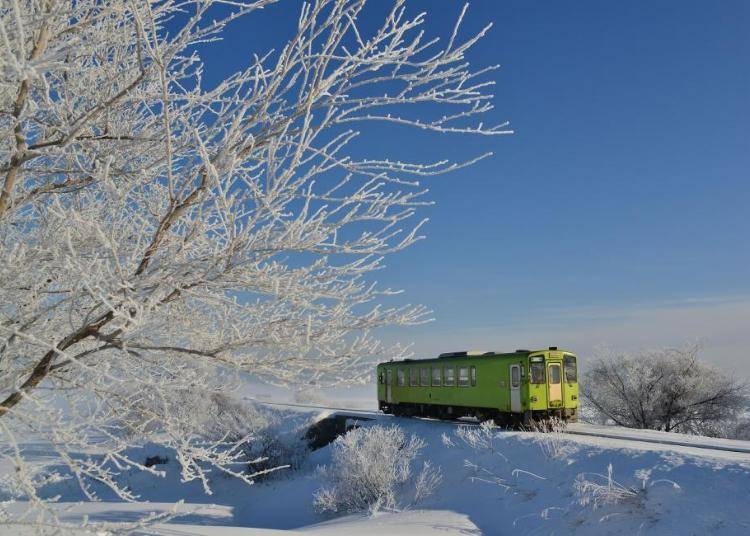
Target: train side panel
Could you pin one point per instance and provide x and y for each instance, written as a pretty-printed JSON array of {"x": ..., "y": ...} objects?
[
  {"x": 488, "y": 387},
  {"x": 545, "y": 383}
]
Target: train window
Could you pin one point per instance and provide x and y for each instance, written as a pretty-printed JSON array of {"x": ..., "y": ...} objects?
[
  {"x": 401, "y": 377},
  {"x": 569, "y": 364},
  {"x": 554, "y": 374},
  {"x": 450, "y": 376},
  {"x": 424, "y": 377},
  {"x": 515, "y": 376},
  {"x": 414, "y": 377},
  {"x": 437, "y": 377},
  {"x": 536, "y": 370},
  {"x": 473, "y": 371},
  {"x": 463, "y": 376},
  {"x": 382, "y": 377}
]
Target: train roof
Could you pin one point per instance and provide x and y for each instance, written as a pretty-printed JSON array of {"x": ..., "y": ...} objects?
[{"x": 476, "y": 354}]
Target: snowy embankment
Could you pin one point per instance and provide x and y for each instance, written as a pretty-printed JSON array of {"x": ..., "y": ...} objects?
[{"x": 493, "y": 482}]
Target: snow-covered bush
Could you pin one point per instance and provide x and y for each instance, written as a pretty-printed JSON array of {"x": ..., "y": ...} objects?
[
  {"x": 552, "y": 440},
  {"x": 198, "y": 411},
  {"x": 369, "y": 469},
  {"x": 275, "y": 448},
  {"x": 259, "y": 433},
  {"x": 670, "y": 390},
  {"x": 478, "y": 438},
  {"x": 597, "y": 490}
]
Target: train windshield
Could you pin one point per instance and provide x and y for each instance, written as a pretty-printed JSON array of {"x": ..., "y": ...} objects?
[
  {"x": 536, "y": 373},
  {"x": 571, "y": 374}
]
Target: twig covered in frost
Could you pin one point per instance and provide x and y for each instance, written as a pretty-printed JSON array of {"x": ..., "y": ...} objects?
[
  {"x": 481, "y": 474},
  {"x": 428, "y": 481},
  {"x": 517, "y": 472},
  {"x": 447, "y": 441}
]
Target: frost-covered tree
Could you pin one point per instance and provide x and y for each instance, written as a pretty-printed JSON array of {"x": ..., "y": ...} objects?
[
  {"x": 670, "y": 390},
  {"x": 157, "y": 232}
]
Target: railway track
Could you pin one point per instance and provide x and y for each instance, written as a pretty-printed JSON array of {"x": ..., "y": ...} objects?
[
  {"x": 578, "y": 429},
  {"x": 657, "y": 441}
]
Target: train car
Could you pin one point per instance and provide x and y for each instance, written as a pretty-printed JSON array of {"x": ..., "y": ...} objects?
[{"x": 510, "y": 388}]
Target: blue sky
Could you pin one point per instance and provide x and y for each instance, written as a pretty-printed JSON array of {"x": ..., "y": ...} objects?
[{"x": 617, "y": 211}]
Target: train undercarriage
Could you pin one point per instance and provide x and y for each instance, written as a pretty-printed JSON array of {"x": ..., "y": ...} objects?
[{"x": 501, "y": 418}]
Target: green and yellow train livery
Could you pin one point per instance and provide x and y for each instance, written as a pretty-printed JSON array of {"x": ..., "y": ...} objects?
[{"x": 510, "y": 388}]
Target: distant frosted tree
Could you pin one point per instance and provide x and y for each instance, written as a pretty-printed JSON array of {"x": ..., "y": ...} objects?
[
  {"x": 157, "y": 233},
  {"x": 670, "y": 390}
]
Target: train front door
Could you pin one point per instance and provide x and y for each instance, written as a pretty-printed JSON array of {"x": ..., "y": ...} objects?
[
  {"x": 515, "y": 388},
  {"x": 389, "y": 386},
  {"x": 554, "y": 384}
]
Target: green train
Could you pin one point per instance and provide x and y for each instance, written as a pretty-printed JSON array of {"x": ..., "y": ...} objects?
[{"x": 510, "y": 388}]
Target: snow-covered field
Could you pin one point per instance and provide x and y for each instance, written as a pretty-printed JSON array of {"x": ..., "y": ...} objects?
[{"x": 497, "y": 482}]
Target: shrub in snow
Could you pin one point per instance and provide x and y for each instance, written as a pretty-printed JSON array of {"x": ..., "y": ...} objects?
[
  {"x": 257, "y": 434},
  {"x": 551, "y": 438},
  {"x": 479, "y": 438},
  {"x": 272, "y": 451},
  {"x": 268, "y": 442},
  {"x": 597, "y": 490},
  {"x": 369, "y": 467},
  {"x": 670, "y": 390},
  {"x": 203, "y": 412}
]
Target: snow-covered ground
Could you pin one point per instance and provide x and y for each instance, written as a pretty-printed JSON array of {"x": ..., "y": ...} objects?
[{"x": 507, "y": 485}]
